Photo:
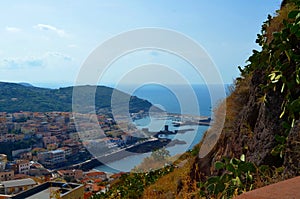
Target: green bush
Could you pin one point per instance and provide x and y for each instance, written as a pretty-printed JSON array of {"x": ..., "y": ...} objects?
[{"x": 236, "y": 178}]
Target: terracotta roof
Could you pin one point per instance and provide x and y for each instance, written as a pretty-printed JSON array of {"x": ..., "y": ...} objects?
[
  {"x": 97, "y": 188},
  {"x": 287, "y": 189},
  {"x": 95, "y": 173},
  {"x": 117, "y": 175},
  {"x": 97, "y": 180}
]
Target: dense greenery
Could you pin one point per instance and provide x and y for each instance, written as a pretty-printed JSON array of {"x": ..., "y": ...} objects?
[
  {"x": 160, "y": 154},
  {"x": 280, "y": 61},
  {"x": 236, "y": 178},
  {"x": 132, "y": 185},
  {"x": 17, "y": 97}
]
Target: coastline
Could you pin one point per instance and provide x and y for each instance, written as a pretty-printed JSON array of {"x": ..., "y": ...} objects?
[
  {"x": 136, "y": 149},
  {"x": 144, "y": 147}
]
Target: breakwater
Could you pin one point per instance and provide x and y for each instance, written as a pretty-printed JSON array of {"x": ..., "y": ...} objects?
[{"x": 144, "y": 147}]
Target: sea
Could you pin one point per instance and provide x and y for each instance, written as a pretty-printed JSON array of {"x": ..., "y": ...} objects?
[{"x": 172, "y": 100}]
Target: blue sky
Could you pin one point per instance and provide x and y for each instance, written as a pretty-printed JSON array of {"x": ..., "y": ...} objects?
[{"x": 46, "y": 42}]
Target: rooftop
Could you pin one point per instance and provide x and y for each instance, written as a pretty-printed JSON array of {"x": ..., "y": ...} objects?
[
  {"x": 18, "y": 183},
  {"x": 56, "y": 151},
  {"x": 48, "y": 189}
]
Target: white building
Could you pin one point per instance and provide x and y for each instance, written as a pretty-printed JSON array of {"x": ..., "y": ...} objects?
[
  {"x": 23, "y": 166},
  {"x": 3, "y": 161},
  {"x": 52, "y": 158},
  {"x": 16, "y": 186}
]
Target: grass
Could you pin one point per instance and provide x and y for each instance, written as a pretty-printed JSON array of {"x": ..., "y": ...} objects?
[
  {"x": 276, "y": 23},
  {"x": 177, "y": 184}
]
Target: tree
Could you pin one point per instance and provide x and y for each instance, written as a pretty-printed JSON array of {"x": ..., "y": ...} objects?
[{"x": 160, "y": 154}]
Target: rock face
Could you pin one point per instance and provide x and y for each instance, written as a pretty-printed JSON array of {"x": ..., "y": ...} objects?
[
  {"x": 265, "y": 102},
  {"x": 252, "y": 131},
  {"x": 263, "y": 122},
  {"x": 292, "y": 156}
]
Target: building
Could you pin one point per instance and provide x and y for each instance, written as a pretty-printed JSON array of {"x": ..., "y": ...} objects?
[
  {"x": 23, "y": 166},
  {"x": 7, "y": 175},
  {"x": 67, "y": 150},
  {"x": 3, "y": 161},
  {"x": 96, "y": 175},
  {"x": 52, "y": 158},
  {"x": 72, "y": 174},
  {"x": 16, "y": 186},
  {"x": 50, "y": 140},
  {"x": 26, "y": 155},
  {"x": 52, "y": 190}
]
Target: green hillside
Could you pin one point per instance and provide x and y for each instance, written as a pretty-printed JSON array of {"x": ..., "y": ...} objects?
[{"x": 17, "y": 97}]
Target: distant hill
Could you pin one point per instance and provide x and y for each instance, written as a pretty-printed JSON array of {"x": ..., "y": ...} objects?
[
  {"x": 22, "y": 97},
  {"x": 25, "y": 84}
]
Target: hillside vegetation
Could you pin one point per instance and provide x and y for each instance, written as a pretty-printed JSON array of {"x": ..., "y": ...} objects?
[
  {"x": 260, "y": 140},
  {"x": 18, "y": 97}
]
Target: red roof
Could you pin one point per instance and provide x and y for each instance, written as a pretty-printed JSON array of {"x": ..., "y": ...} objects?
[
  {"x": 87, "y": 195},
  {"x": 117, "y": 175},
  {"x": 95, "y": 173}
]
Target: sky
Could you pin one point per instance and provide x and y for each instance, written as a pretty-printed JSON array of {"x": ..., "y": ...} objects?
[{"x": 46, "y": 43}]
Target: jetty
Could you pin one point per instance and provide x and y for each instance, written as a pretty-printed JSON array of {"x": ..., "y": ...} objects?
[{"x": 141, "y": 147}]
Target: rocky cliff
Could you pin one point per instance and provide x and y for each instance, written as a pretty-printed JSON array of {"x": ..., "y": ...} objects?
[
  {"x": 259, "y": 142},
  {"x": 262, "y": 116}
]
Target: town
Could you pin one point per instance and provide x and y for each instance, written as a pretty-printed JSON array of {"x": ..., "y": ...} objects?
[{"x": 38, "y": 148}]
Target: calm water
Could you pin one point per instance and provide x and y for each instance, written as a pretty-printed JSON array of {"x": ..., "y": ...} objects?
[{"x": 168, "y": 100}]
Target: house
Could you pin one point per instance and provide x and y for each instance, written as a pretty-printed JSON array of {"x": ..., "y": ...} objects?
[
  {"x": 23, "y": 166},
  {"x": 53, "y": 190},
  {"x": 73, "y": 174},
  {"x": 96, "y": 175},
  {"x": 52, "y": 158},
  {"x": 37, "y": 169},
  {"x": 3, "y": 161},
  {"x": 67, "y": 150},
  {"x": 26, "y": 155},
  {"x": 7, "y": 175},
  {"x": 16, "y": 186},
  {"x": 94, "y": 188},
  {"x": 50, "y": 140}
]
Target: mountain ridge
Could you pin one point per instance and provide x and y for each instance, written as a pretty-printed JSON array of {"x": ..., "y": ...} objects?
[{"x": 17, "y": 97}]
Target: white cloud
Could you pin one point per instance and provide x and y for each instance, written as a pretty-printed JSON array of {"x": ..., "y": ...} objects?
[
  {"x": 59, "y": 55},
  {"x": 45, "y": 27},
  {"x": 72, "y": 46},
  {"x": 24, "y": 62},
  {"x": 12, "y": 29},
  {"x": 34, "y": 61}
]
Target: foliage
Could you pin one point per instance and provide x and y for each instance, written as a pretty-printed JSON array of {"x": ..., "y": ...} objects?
[
  {"x": 236, "y": 178},
  {"x": 158, "y": 159},
  {"x": 160, "y": 154},
  {"x": 280, "y": 61},
  {"x": 132, "y": 185},
  {"x": 16, "y": 97}
]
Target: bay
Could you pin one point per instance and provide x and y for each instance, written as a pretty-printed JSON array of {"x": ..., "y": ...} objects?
[{"x": 167, "y": 99}]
